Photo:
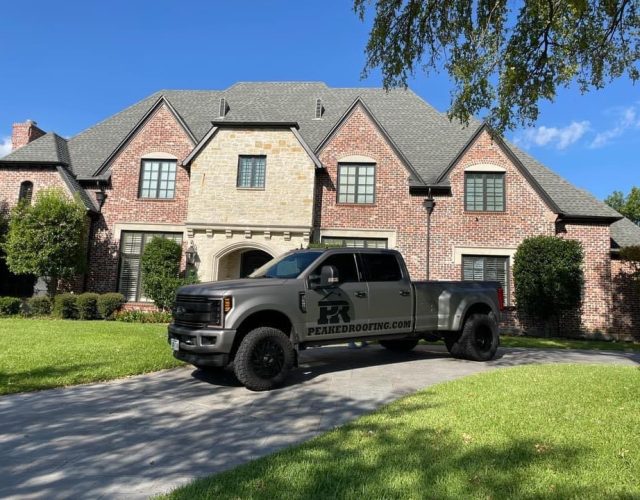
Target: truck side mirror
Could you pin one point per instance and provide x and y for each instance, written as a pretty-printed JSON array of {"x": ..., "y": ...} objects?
[{"x": 329, "y": 276}]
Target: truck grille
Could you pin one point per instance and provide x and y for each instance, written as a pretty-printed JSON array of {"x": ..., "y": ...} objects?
[{"x": 197, "y": 312}]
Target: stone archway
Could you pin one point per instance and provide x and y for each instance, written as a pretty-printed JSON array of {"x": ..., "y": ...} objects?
[{"x": 238, "y": 261}]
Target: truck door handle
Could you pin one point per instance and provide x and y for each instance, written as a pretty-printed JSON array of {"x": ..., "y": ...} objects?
[
  {"x": 405, "y": 293},
  {"x": 361, "y": 294}
]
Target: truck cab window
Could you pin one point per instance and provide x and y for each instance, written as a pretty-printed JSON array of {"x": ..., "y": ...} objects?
[
  {"x": 381, "y": 267},
  {"x": 345, "y": 263}
]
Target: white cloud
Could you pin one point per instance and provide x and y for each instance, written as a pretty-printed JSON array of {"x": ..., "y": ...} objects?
[
  {"x": 5, "y": 146},
  {"x": 558, "y": 137},
  {"x": 626, "y": 118}
]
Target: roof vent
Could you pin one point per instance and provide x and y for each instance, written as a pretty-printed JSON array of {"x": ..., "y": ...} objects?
[
  {"x": 319, "y": 109},
  {"x": 224, "y": 107}
]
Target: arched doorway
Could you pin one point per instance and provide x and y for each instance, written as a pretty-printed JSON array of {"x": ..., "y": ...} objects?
[
  {"x": 239, "y": 262},
  {"x": 252, "y": 260}
]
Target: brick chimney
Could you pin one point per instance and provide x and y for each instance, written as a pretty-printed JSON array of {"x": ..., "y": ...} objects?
[{"x": 24, "y": 133}]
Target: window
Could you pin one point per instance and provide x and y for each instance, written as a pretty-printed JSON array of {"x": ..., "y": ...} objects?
[
  {"x": 131, "y": 248},
  {"x": 356, "y": 183},
  {"x": 26, "y": 192},
  {"x": 158, "y": 179},
  {"x": 486, "y": 268},
  {"x": 345, "y": 263},
  {"x": 381, "y": 267},
  {"x": 484, "y": 192},
  {"x": 355, "y": 242},
  {"x": 251, "y": 172}
]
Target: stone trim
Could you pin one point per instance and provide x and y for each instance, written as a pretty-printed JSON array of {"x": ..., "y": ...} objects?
[
  {"x": 484, "y": 167},
  {"x": 150, "y": 228},
  {"x": 390, "y": 236},
  {"x": 458, "y": 252}
]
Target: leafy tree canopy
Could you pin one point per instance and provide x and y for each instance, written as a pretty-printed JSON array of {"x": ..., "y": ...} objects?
[
  {"x": 47, "y": 238},
  {"x": 629, "y": 205},
  {"x": 504, "y": 56}
]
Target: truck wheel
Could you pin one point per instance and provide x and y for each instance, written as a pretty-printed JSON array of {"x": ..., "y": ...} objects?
[
  {"x": 264, "y": 359},
  {"x": 399, "y": 345},
  {"x": 478, "y": 340}
]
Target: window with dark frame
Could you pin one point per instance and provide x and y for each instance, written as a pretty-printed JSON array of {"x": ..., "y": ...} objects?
[
  {"x": 345, "y": 263},
  {"x": 252, "y": 171},
  {"x": 132, "y": 244},
  {"x": 26, "y": 192},
  {"x": 381, "y": 267},
  {"x": 158, "y": 179},
  {"x": 487, "y": 268},
  {"x": 484, "y": 192},
  {"x": 355, "y": 242},
  {"x": 356, "y": 183}
]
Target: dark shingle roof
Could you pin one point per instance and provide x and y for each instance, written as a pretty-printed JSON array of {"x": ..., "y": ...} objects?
[
  {"x": 426, "y": 137},
  {"x": 75, "y": 188},
  {"x": 625, "y": 233},
  {"x": 50, "y": 148}
]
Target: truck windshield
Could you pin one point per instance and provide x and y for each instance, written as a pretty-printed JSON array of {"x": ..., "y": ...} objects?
[{"x": 287, "y": 266}]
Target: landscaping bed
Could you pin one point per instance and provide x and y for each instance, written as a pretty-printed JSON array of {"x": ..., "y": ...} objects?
[
  {"x": 561, "y": 431},
  {"x": 44, "y": 353}
]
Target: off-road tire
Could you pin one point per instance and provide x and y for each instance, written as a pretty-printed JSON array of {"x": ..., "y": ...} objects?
[
  {"x": 264, "y": 359},
  {"x": 399, "y": 345},
  {"x": 478, "y": 341}
]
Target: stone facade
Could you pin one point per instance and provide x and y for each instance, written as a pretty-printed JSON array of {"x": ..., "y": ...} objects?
[{"x": 224, "y": 219}]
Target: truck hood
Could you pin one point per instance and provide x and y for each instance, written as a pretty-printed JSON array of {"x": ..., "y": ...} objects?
[{"x": 217, "y": 288}]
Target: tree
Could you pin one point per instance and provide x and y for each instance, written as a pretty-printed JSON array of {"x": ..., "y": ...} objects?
[
  {"x": 161, "y": 272},
  {"x": 629, "y": 205},
  {"x": 504, "y": 56},
  {"x": 548, "y": 277},
  {"x": 48, "y": 238}
]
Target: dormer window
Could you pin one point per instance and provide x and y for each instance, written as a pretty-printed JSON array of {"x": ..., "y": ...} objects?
[{"x": 26, "y": 192}]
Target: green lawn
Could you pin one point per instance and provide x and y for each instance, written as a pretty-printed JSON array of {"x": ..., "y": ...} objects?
[
  {"x": 554, "y": 431},
  {"x": 558, "y": 343},
  {"x": 41, "y": 354}
]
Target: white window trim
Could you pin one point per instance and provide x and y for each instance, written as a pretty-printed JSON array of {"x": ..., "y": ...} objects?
[{"x": 458, "y": 252}]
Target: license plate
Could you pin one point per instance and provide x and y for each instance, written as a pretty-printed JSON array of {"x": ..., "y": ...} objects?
[{"x": 175, "y": 344}]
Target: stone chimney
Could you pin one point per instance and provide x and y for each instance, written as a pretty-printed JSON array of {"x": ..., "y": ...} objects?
[{"x": 24, "y": 133}]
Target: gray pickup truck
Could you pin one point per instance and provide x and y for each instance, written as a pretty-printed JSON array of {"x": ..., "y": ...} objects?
[{"x": 318, "y": 297}]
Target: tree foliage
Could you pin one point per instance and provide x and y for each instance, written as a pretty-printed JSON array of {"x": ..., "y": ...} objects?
[
  {"x": 161, "y": 272},
  {"x": 629, "y": 205},
  {"x": 631, "y": 255},
  {"x": 48, "y": 238},
  {"x": 548, "y": 276},
  {"x": 503, "y": 56}
]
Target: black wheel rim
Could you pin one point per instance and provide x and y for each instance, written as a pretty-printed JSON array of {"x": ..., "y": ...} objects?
[
  {"x": 484, "y": 338},
  {"x": 267, "y": 359}
]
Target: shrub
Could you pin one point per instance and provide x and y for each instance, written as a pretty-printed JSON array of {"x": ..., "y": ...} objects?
[
  {"x": 39, "y": 306},
  {"x": 9, "y": 306},
  {"x": 548, "y": 276},
  {"x": 135, "y": 316},
  {"x": 109, "y": 303},
  {"x": 65, "y": 306},
  {"x": 161, "y": 271},
  {"x": 87, "y": 304}
]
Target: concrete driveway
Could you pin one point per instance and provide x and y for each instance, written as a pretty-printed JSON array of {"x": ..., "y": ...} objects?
[{"x": 148, "y": 434}]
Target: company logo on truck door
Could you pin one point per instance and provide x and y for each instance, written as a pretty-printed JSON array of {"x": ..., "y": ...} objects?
[{"x": 333, "y": 311}]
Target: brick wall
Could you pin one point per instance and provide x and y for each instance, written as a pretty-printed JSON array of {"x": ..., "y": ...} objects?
[
  {"x": 161, "y": 133},
  {"x": 625, "y": 307},
  {"x": 24, "y": 133},
  {"x": 394, "y": 208},
  {"x": 12, "y": 177}
]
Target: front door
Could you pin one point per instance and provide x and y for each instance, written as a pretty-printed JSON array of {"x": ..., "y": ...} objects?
[{"x": 337, "y": 311}]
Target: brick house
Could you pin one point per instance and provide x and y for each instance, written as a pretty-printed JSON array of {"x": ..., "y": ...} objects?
[{"x": 246, "y": 173}]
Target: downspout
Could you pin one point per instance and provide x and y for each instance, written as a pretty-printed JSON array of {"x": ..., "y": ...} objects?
[{"x": 429, "y": 204}]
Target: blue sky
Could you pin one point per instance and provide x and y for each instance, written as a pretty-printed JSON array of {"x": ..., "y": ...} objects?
[{"x": 70, "y": 64}]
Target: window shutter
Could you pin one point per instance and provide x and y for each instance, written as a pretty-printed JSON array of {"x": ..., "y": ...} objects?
[{"x": 129, "y": 272}]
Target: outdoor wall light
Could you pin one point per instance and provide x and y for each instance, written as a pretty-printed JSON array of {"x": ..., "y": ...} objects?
[
  {"x": 101, "y": 196},
  {"x": 191, "y": 254}
]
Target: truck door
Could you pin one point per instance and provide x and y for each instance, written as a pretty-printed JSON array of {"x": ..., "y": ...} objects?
[
  {"x": 390, "y": 293},
  {"x": 334, "y": 311}
]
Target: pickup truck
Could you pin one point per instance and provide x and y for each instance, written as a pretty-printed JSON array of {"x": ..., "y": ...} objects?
[{"x": 317, "y": 297}]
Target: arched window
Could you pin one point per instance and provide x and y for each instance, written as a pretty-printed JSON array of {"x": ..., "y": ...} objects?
[{"x": 26, "y": 192}]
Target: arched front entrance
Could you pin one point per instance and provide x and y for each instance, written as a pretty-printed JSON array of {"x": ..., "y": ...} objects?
[{"x": 240, "y": 262}]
